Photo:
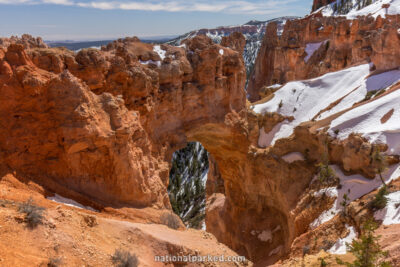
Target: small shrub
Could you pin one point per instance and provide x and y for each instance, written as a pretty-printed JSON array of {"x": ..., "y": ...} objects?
[
  {"x": 325, "y": 173},
  {"x": 380, "y": 92},
  {"x": 327, "y": 244},
  {"x": 280, "y": 104},
  {"x": 380, "y": 200},
  {"x": 345, "y": 202},
  {"x": 170, "y": 220},
  {"x": 33, "y": 214},
  {"x": 336, "y": 131},
  {"x": 323, "y": 263},
  {"x": 123, "y": 258},
  {"x": 379, "y": 162},
  {"x": 370, "y": 94},
  {"x": 54, "y": 262}
]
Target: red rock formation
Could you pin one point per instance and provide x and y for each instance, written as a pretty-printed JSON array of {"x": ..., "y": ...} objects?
[
  {"x": 26, "y": 40},
  {"x": 104, "y": 124},
  {"x": 345, "y": 43},
  {"x": 95, "y": 143}
]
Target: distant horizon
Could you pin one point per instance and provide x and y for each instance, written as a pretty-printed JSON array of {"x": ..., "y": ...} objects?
[
  {"x": 91, "y": 20},
  {"x": 149, "y": 37},
  {"x": 155, "y": 37}
]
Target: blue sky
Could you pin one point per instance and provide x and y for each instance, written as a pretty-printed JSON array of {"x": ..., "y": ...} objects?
[{"x": 100, "y": 19}]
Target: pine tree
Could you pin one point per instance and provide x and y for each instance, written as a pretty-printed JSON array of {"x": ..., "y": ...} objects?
[
  {"x": 345, "y": 202},
  {"x": 379, "y": 162},
  {"x": 366, "y": 249}
]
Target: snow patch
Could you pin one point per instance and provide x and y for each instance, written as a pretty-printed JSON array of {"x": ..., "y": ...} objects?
[
  {"x": 311, "y": 48},
  {"x": 355, "y": 186},
  {"x": 305, "y": 99},
  {"x": 293, "y": 156},
  {"x": 340, "y": 246},
  {"x": 391, "y": 213},
  {"x": 267, "y": 139},
  {"x": 221, "y": 52},
  {"x": 375, "y": 9},
  {"x": 366, "y": 120},
  {"x": 159, "y": 51},
  {"x": 330, "y": 192},
  {"x": 69, "y": 202},
  {"x": 158, "y": 63}
]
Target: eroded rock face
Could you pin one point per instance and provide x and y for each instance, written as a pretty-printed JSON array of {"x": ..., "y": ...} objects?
[
  {"x": 338, "y": 43},
  {"x": 26, "y": 40},
  {"x": 104, "y": 123}
]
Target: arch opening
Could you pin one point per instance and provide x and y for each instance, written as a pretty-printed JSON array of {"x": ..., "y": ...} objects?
[{"x": 187, "y": 184}]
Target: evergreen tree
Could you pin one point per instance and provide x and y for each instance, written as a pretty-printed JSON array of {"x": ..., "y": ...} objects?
[
  {"x": 366, "y": 249},
  {"x": 379, "y": 162}
]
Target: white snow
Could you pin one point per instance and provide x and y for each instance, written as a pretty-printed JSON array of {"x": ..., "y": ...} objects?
[
  {"x": 69, "y": 202},
  {"x": 93, "y": 47},
  {"x": 305, "y": 99},
  {"x": 366, "y": 120},
  {"x": 274, "y": 86},
  {"x": 329, "y": 191},
  {"x": 311, "y": 48},
  {"x": 158, "y": 63},
  {"x": 266, "y": 139},
  {"x": 340, "y": 246},
  {"x": 221, "y": 52},
  {"x": 293, "y": 156},
  {"x": 391, "y": 213},
  {"x": 355, "y": 186},
  {"x": 159, "y": 51},
  {"x": 375, "y": 9}
]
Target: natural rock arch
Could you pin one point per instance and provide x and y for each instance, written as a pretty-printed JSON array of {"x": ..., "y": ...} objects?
[{"x": 102, "y": 126}]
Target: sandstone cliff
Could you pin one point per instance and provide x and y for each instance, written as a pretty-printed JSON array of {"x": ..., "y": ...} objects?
[{"x": 316, "y": 45}]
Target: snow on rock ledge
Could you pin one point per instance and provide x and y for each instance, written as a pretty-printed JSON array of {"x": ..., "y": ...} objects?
[
  {"x": 314, "y": 98},
  {"x": 69, "y": 202},
  {"x": 311, "y": 48},
  {"x": 378, "y": 121},
  {"x": 355, "y": 186},
  {"x": 292, "y": 157},
  {"x": 378, "y": 8},
  {"x": 391, "y": 213},
  {"x": 340, "y": 246}
]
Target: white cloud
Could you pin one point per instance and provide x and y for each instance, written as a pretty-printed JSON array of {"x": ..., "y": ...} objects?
[
  {"x": 225, "y": 6},
  {"x": 15, "y": 1},
  {"x": 58, "y": 2}
]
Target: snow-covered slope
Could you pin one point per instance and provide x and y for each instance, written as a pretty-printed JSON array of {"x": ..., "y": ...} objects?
[
  {"x": 253, "y": 31},
  {"x": 378, "y": 121},
  {"x": 323, "y": 96},
  {"x": 354, "y": 8}
]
